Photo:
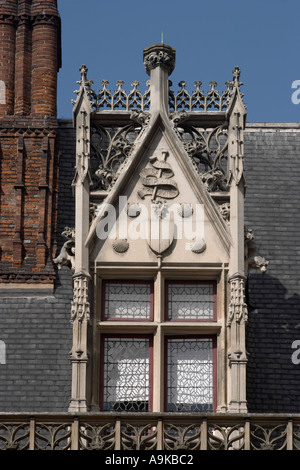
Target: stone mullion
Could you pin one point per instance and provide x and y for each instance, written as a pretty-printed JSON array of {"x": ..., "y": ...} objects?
[
  {"x": 93, "y": 388},
  {"x": 222, "y": 345}
]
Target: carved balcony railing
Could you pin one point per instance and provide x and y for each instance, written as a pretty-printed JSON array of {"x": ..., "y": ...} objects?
[{"x": 149, "y": 431}]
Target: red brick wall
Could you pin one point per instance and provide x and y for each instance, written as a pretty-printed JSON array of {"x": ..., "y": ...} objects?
[{"x": 29, "y": 61}]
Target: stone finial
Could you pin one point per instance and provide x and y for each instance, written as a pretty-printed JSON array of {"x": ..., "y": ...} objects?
[{"x": 159, "y": 55}]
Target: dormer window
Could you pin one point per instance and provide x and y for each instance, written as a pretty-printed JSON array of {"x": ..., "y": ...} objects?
[{"x": 159, "y": 282}]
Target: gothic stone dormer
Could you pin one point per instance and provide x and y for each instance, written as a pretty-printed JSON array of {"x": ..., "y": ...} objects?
[{"x": 158, "y": 252}]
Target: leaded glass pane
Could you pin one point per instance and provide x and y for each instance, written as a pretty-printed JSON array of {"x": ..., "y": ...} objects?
[
  {"x": 190, "y": 375},
  {"x": 190, "y": 301},
  {"x": 127, "y": 300},
  {"x": 126, "y": 374}
]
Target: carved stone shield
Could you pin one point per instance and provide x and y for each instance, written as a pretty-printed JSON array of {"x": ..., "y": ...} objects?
[{"x": 160, "y": 229}]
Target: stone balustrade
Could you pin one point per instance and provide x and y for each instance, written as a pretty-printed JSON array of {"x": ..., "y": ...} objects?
[{"x": 149, "y": 431}]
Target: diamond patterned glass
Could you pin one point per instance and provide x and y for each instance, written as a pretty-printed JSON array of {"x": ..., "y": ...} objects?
[
  {"x": 190, "y": 301},
  {"x": 126, "y": 374},
  {"x": 127, "y": 301},
  {"x": 190, "y": 375}
]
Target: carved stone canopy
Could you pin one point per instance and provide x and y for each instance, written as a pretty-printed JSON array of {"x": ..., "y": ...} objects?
[{"x": 159, "y": 55}]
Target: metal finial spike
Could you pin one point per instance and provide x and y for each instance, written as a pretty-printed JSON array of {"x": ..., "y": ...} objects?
[{"x": 162, "y": 38}]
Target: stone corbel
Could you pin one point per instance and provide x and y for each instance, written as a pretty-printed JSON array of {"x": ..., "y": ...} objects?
[
  {"x": 140, "y": 117},
  {"x": 178, "y": 117}
]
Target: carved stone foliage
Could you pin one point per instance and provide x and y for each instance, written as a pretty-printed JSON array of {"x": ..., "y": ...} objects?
[
  {"x": 97, "y": 437},
  {"x": 268, "y": 437},
  {"x": 66, "y": 256},
  {"x": 80, "y": 309},
  {"x": 109, "y": 149},
  {"x": 161, "y": 55},
  {"x": 182, "y": 437},
  {"x": 226, "y": 437},
  {"x": 238, "y": 309},
  {"x": 138, "y": 437},
  {"x": 208, "y": 152}
]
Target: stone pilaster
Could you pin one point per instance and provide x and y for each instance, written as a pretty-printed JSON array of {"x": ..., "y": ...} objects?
[
  {"x": 80, "y": 316},
  {"x": 237, "y": 308},
  {"x": 238, "y": 315},
  {"x": 80, "y": 311}
]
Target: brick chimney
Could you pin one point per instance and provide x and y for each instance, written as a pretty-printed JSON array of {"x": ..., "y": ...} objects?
[{"x": 29, "y": 61}]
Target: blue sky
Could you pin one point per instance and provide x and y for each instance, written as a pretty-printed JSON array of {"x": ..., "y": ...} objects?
[{"x": 262, "y": 37}]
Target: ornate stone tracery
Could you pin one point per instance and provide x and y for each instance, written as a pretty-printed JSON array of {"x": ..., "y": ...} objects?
[
  {"x": 109, "y": 149},
  {"x": 208, "y": 152}
]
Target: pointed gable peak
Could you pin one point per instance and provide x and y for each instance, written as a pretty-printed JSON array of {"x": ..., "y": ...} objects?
[{"x": 117, "y": 129}]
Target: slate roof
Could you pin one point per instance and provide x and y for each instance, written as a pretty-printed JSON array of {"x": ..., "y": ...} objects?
[
  {"x": 272, "y": 171},
  {"x": 272, "y": 157}
]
